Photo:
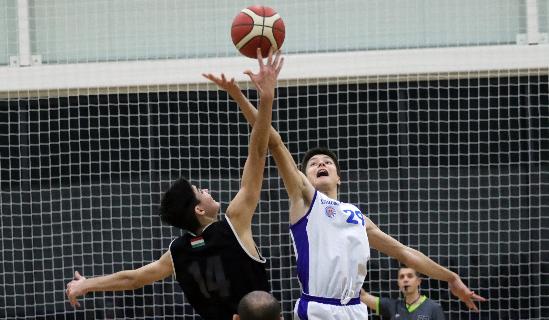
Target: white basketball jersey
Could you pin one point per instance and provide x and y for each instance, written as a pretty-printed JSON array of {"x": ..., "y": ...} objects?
[{"x": 332, "y": 249}]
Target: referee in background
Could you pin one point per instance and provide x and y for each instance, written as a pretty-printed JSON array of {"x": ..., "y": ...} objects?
[{"x": 414, "y": 306}]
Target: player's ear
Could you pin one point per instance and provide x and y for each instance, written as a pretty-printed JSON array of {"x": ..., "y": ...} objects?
[{"x": 198, "y": 210}]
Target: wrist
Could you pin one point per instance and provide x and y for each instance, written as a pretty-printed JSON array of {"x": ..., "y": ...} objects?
[
  {"x": 453, "y": 277},
  {"x": 234, "y": 92},
  {"x": 267, "y": 96}
]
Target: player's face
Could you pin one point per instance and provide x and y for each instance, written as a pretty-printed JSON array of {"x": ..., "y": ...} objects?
[
  {"x": 408, "y": 281},
  {"x": 206, "y": 201},
  {"x": 322, "y": 172}
]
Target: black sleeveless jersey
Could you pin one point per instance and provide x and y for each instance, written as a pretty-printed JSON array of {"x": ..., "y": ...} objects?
[{"x": 215, "y": 272}]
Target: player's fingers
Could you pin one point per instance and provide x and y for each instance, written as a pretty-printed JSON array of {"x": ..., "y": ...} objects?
[
  {"x": 232, "y": 80},
  {"x": 472, "y": 305},
  {"x": 77, "y": 275},
  {"x": 250, "y": 74},
  {"x": 477, "y": 297},
  {"x": 211, "y": 77},
  {"x": 71, "y": 299},
  {"x": 469, "y": 302},
  {"x": 258, "y": 87},
  {"x": 277, "y": 59},
  {"x": 260, "y": 58},
  {"x": 253, "y": 79},
  {"x": 223, "y": 77},
  {"x": 279, "y": 66},
  {"x": 270, "y": 57}
]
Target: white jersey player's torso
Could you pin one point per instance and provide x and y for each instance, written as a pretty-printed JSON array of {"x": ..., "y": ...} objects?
[{"x": 332, "y": 249}]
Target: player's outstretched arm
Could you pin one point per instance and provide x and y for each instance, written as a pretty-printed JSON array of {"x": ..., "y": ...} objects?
[
  {"x": 421, "y": 263},
  {"x": 120, "y": 281},
  {"x": 242, "y": 207},
  {"x": 371, "y": 301},
  {"x": 299, "y": 189}
]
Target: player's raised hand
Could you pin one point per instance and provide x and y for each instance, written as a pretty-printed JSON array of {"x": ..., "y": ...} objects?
[
  {"x": 228, "y": 85},
  {"x": 75, "y": 289},
  {"x": 265, "y": 79},
  {"x": 460, "y": 290}
]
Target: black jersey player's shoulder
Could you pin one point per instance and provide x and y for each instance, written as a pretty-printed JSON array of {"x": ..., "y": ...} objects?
[
  {"x": 218, "y": 236},
  {"x": 215, "y": 229},
  {"x": 180, "y": 241}
]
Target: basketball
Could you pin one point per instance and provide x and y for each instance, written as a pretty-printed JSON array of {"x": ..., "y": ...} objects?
[{"x": 257, "y": 27}]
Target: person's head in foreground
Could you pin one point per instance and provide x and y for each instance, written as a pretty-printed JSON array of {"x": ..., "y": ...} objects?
[
  {"x": 258, "y": 305},
  {"x": 188, "y": 207}
]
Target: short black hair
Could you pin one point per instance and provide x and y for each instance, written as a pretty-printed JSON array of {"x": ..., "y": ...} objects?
[
  {"x": 403, "y": 266},
  {"x": 319, "y": 150},
  {"x": 259, "y": 305},
  {"x": 177, "y": 206}
]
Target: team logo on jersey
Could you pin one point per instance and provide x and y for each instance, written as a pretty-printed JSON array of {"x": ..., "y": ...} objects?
[
  {"x": 197, "y": 242},
  {"x": 330, "y": 212}
]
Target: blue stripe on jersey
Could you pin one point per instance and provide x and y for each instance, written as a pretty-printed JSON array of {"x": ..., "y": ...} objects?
[
  {"x": 302, "y": 309},
  {"x": 299, "y": 232}
]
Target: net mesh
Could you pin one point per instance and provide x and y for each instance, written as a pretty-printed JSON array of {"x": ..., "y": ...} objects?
[{"x": 454, "y": 168}]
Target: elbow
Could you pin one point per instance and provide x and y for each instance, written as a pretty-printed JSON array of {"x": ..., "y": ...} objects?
[
  {"x": 248, "y": 194},
  {"x": 405, "y": 260},
  {"x": 134, "y": 284},
  {"x": 252, "y": 196},
  {"x": 406, "y": 256}
]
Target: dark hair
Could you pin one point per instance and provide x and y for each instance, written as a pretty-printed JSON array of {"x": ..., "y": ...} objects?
[
  {"x": 177, "y": 206},
  {"x": 259, "y": 305},
  {"x": 313, "y": 152},
  {"x": 402, "y": 266}
]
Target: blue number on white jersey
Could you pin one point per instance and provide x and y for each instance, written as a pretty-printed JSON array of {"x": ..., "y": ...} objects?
[{"x": 353, "y": 214}]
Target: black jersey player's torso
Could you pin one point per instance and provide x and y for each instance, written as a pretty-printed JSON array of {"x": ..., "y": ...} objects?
[{"x": 215, "y": 272}]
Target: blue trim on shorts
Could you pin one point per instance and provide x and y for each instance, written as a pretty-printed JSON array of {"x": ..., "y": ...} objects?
[
  {"x": 332, "y": 301},
  {"x": 302, "y": 309}
]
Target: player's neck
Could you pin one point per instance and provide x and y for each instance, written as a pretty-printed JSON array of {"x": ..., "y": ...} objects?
[
  {"x": 204, "y": 224},
  {"x": 412, "y": 298},
  {"x": 330, "y": 192}
]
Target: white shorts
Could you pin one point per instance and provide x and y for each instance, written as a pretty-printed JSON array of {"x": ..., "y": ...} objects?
[{"x": 311, "y": 310}]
